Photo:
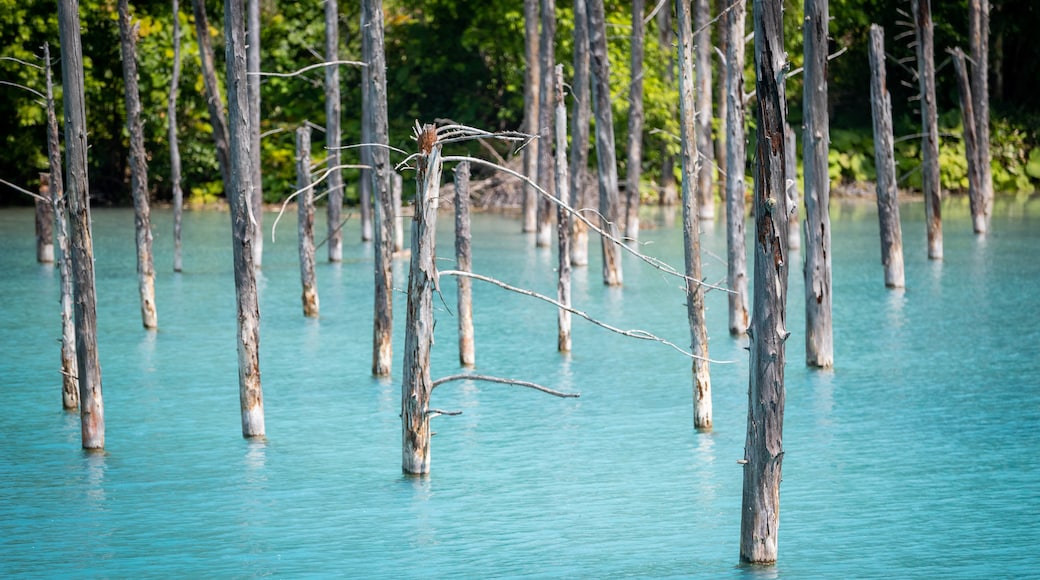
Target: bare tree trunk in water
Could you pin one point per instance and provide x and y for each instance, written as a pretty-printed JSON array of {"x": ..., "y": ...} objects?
[
  {"x": 365, "y": 186},
  {"x": 249, "y": 388},
  {"x": 794, "y": 227},
  {"x": 736, "y": 159},
  {"x": 722, "y": 103},
  {"x": 884, "y": 161},
  {"x": 978, "y": 34},
  {"x": 634, "y": 164},
  {"x": 256, "y": 199},
  {"x": 464, "y": 262},
  {"x": 532, "y": 81},
  {"x": 214, "y": 102},
  {"x": 332, "y": 131},
  {"x": 563, "y": 219},
  {"x": 175, "y": 152},
  {"x": 44, "y": 223},
  {"x": 599, "y": 66},
  {"x": 91, "y": 403},
  {"x": 138, "y": 169},
  {"x": 397, "y": 189},
  {"x": 305, "y": 222},
  {"x": 580, "y": 133},
  {"x": 763, "y": 448},
  {"x": 669, "y": 191},
  {"x": 705, "y": 150},
  {"x": 702, "y": 415},
  {"x": 971, "y": 143},
  {"x": 547, "y": 62},
  {"x": 930, "y": 185}
]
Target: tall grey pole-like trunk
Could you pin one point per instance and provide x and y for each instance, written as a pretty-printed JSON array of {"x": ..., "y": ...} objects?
[
  {"x": 305, "y": 222},
  {"x": 922, "y": 11},
  {"x": 702, "y": 415},
  {"x": 819, "y": 331},
  {"x": 397, "y": 187},
  {"x": 365, "y": 185},
  {"x": 251, "y": 397},
  {"x": 464, "y": 262},
  {"x": 665, "y": 37},
  {"x": 705, "y": 149},
  {"x": 794, "y": 222},
  {"x": 214, "y": 102},
  {"x": 44, "y": 223},
  {"x": 422, "y": 279},
  {"x": 763, "y": 448},
  {"x": 256, "y": 198},
  {"x": 884, "y": 161},
  {"x": 332, "y": 131},
  {"x": 532, "y": 82},
  {"x": 599, "y": 66},
  {"x": 138, "y": 169},
  {"x": 175, "y": 151},
  {"x": 376, "y": 115},
  {"x": 580, "y": 123},
  {"x": 736, "y": 159},
  {"x": 563, "y": 219},
  {"x": 546, "y": 175},
  {"x": 91, "y": 403},
  {"x": 722, "y": 103},
  {"x": 978, "y": 35},
  {"x": 634, "y": 162},
  {"x": 971, "y": 142},
  {"x": 69, "y": 382}
]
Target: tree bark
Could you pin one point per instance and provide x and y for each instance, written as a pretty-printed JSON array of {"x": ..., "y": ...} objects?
[
  {"x": 722, "y": 103},
  {"x": 332, "y": 131},
  {"x": 547, "y": 61},
  {"x": 138, "y": 169},
  {"x": 305, "y": 222},
  {"x": 91, "y": 407},
  {"x": 464, "y": 262},
  {"x": 634, "y": 163},
  {"x": 819, "y": 331},
  {"x": 532, "y": 82},
  {"x": 256, "y": 198},
  {"x": 923, "y": 27},
  {"x": 365, "y": 186},
  {"x": 794, "y": 222},
  {"x": 397, "y": 188},
  {"x": 763, "y": 448},
  {"x": 702, "y": 415},
  {"x": 44, "y": 223},
  {"x": 175, "y": 152},
  {"x": 978, "y": 34},
  {"x": 214, "y": 102},
  {"x": 971, "y": 146},
  {"x": 705, "y": 150},
  {"x": 884, "y": 161},
  {"x": 249, "y": 387},
  {"x": 563, "y": 221},
  {"x": 579, "y": 155},
  {"x": 669, "y": 192},
  {"x": 422, "y": 279},
  {"x": 736, "y": 159},
  {"x": 599, "y": 66}
]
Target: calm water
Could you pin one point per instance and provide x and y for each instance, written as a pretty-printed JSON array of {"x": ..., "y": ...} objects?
[{"x": 915, "y": 457}]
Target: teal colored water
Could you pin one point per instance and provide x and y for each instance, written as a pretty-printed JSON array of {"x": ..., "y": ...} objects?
[{"x": 914, "y": 458}]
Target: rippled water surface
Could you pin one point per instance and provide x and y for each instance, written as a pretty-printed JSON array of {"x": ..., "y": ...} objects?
[{"x": 914, "y": 457}]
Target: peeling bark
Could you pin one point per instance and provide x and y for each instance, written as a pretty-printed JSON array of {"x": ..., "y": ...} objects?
[
  {"x": 884, "y": 161},
  {"x": 305, "y": 222},
  {"x": 563, "y": 221}
]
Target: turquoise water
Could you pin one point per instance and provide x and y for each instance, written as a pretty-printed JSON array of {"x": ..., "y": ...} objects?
[{"x": 914, "y": 458}]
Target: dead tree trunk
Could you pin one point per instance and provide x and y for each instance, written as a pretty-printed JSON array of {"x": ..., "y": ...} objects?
[
  {"x": 563, "y": 221},
  {"x": 705, "y": 150},
  {"x": 794, "y": 222},
  {"x": 722, "y": 103},
  {"x": 175, "y": 152},
  {"x": 249, "y": 388},
  {"x": 365, "y": 186},
  {"x": 736, "y": 156},
  {"x": 634, "y": 163},
  {"x": 214, "y": 102},
  {"x": 763, "y": 448},
  {"x": 702, "y": 415},
  {"x": 256, "y": 197},
  {"x": 819, "y": 332},
  {"x": 532, "y": 81},
  {"x": 978, "y": 34},
  {"x": 422, "y": 278},
  {"x": 665, "y": 37},
  {"x": 305, "y": 222},
  {"x": 332, "y": 131},
  {"x": 922, "y": 10},
  {"x": 971, "y": 147},
  {"x": 44, "y": 222},
  {"x": 91, "y": 407},
  {"x": 376, "y": 116},
  {"x": 138, "y": 169},
  {"x": 884, "y": 161},
  {"x": 397, "y": 186},
  {"x": 547, "y": 60},
  {"x": 464, "y": 262},
  {"x": 599, "y": 66},
  {"x": 579, "y": 156}
]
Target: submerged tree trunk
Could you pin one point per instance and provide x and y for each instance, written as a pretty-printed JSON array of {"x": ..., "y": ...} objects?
[
  {"x": 819, "y": 332},
  {"x": 365, "y": 186},
  {"x": 702, "y": 415},
  {"x": 634, "y": 164},
  {"x": 884, "y": 161},
  {"x": 214, "y": 102},
  {"x": 256, "y": 198},
  {"x": 978, "y": 35},
  {"x": 763, "y": 448},
  {"x": 138, "y": 169},
  {"x": 929, "y": 126},
  {"x": 794, "y": 222},
  {"x": 563, "y": 221},
  {"x": 547, "y": 61},
  {"x": 599, "y": 66},
  {"x": 422, "y": 279},
  {"x": 665, "y": 38},
  {"x": 305, "y": 222},
  {"x": 579, "y": 156},
  {"x": 332, "y": 131},
  {"x": 971, "y": 146},
  {"x": 464, "y": 262},
  {"x": 397, "y": 189},
  {"x": 532, "y": 81},
  {"x": 91, "y": 404},
  {"x": 705, "y": 150},
  {"x": 249, "y": 388},
  {"x": 175, "y": 152},
  {"x": 722, "y": 103},
  {"x": 44, "y": 222},
  {"x": 736, "y": 156}
]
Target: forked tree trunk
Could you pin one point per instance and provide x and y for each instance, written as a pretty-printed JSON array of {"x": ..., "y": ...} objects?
[
  {"x": 422, "y": 278},
  {"x": 44, "y": 222},
  {"x": 214, "y": 102},
  {"x": 249, "y": 388},
  {"x": 634, "y": 163},
  {"x": 599, "y": 66},
  {"x": 978, "y": 35},
  {"x": 665, "y": 38},
  {"x": 736, "y": 156},
  {"x": 91, "y": 404},
  {"x": 138, "y": 169},
  {"x": 702, "y": 415},
  {"x": 929, "y": 126},
  {"x": 305, "y": 222},
  {"x": 579, "y": 156},
  {"x": 722, "y": 103},
  {"x": 819, "y": 332},
  {"x": 884, "y": 161},
  {"x": 763, "y": 448},
  {"x": 175, "y": 152},
  {"x": 256, "y": 198},
  {"x": 464, "y": 262},
  {"x": 705, "y": 150},
  {"x": 532, "y": 81},
  {"x": 971, "y": 146},
  {"x": 332, "y": 131},
  {"x": 563, "y": 220},
  {"x": 546, "y": 176}
]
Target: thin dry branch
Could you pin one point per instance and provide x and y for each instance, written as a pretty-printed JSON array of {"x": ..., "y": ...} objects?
[
  {"x": 514, "y": 382},
  {"x": 25, "y": 191},
  {"x": 324, "y": 175},
  {"x": 307, "y": 68}
]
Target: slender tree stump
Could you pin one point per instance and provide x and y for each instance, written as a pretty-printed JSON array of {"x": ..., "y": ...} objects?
[
  {"x": 175, "y": 152},
  {"x": 305, "y": 222},
  {"x": 532, "y": 89},
  {"x": 922, "y": 11},
  {"x": 705, "y": 150},
  {"x": 978, "y": 35},
  {"x": 256, "y": 196},
  {"x": 464, "y": 262},
  {"x": 976, "y": 193},
  {"x": 546, "y": 174},
  {"x": 214, "y": 101},
  {"x": 580, "y": 123},
  {"x": 736, "y": 159},
  {"x": 563, "y": 221},
  {"x": 332, "y": 132},
  {"x": 634, "y": 162},
  {"x": 45, "y": 222}
]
